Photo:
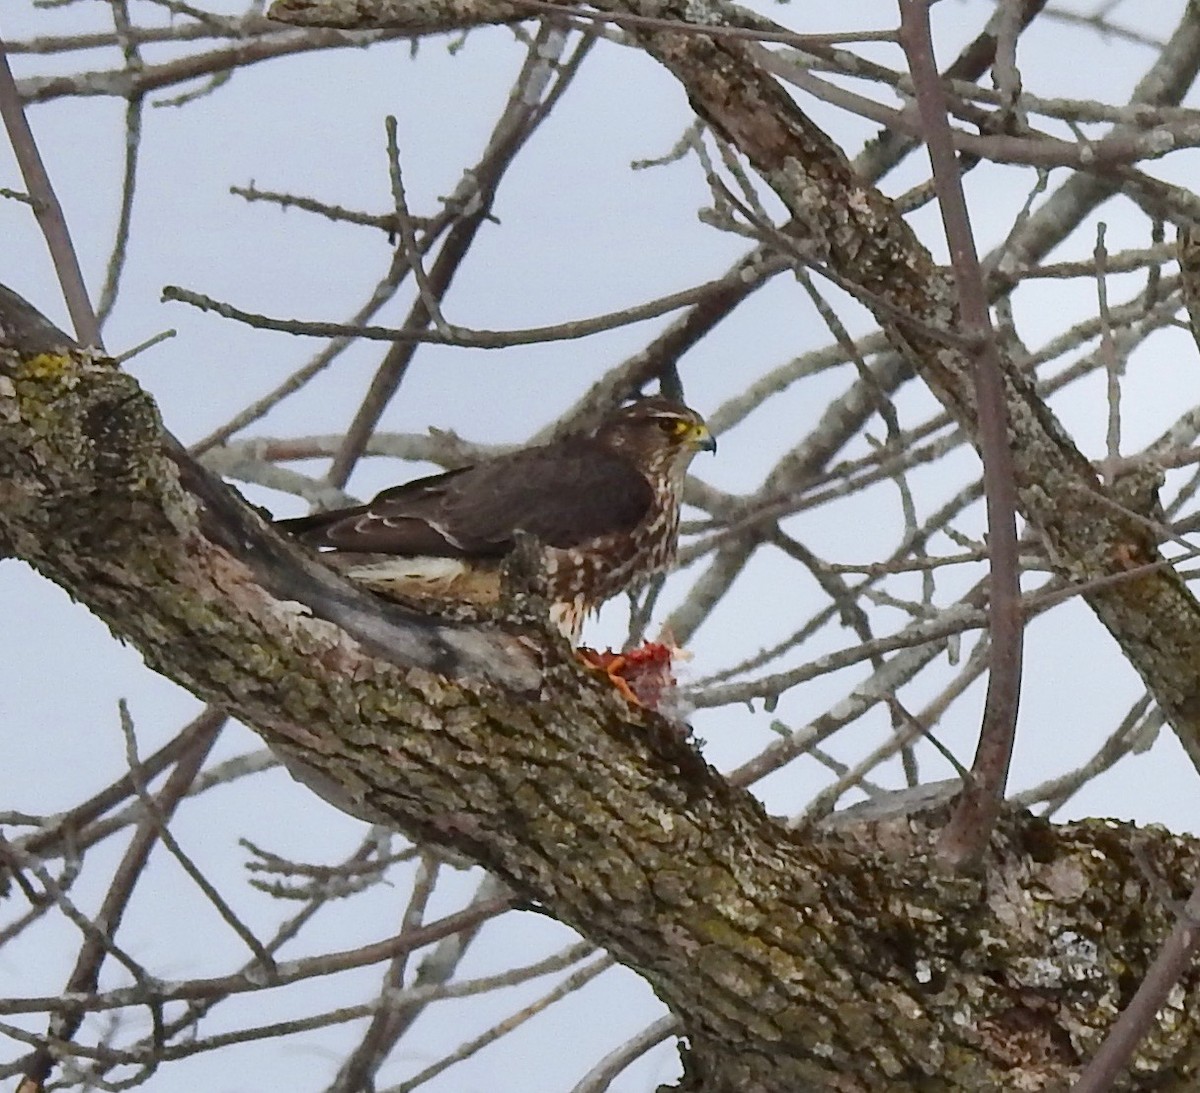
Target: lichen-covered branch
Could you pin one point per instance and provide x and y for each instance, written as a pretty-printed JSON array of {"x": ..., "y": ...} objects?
[{"x": 822, "y": 962}]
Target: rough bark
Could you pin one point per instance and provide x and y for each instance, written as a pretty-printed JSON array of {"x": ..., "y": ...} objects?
[{"x": 822, "y": 961}]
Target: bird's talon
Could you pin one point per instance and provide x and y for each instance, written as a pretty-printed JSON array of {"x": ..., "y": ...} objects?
[{"x": 640, "y": 675}]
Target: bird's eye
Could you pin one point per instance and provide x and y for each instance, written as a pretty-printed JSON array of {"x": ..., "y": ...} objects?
[{"x": 672, "y": 426}]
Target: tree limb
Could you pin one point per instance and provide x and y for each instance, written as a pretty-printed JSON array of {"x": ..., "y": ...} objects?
[{"x": 486, "y": 738}]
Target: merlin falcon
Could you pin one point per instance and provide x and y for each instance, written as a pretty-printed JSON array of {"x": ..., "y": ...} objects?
[{"x": 604, "y": 509}]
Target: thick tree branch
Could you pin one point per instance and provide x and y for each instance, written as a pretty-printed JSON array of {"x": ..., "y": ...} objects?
[{"x": 485, "y": 737}]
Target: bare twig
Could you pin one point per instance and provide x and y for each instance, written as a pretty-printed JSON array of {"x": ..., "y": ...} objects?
[
  {"x": 1115, "y": 1054},
  {"x": 46, "y": 208},
  {"x": 461, "y": 336},
  {"x": 600, "y": 1077},
  {"x": 968, "y": 832},
  {"x": 518, "y": 122}
]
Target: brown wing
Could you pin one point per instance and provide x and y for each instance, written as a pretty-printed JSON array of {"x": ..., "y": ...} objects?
[{"x": 563, "y": 494}]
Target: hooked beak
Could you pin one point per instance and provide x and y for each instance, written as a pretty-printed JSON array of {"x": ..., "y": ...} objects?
[{"x": 701, "y": 439}]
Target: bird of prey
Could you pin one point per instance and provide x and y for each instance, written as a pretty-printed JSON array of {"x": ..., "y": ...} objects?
[{"x": 604, "y": 509}]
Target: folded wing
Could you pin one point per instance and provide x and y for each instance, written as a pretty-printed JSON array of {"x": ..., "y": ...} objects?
[{"x": 565, "y": 495}]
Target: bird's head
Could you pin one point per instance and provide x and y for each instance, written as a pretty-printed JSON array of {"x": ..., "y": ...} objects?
[{"x": 657, "y": 433}]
